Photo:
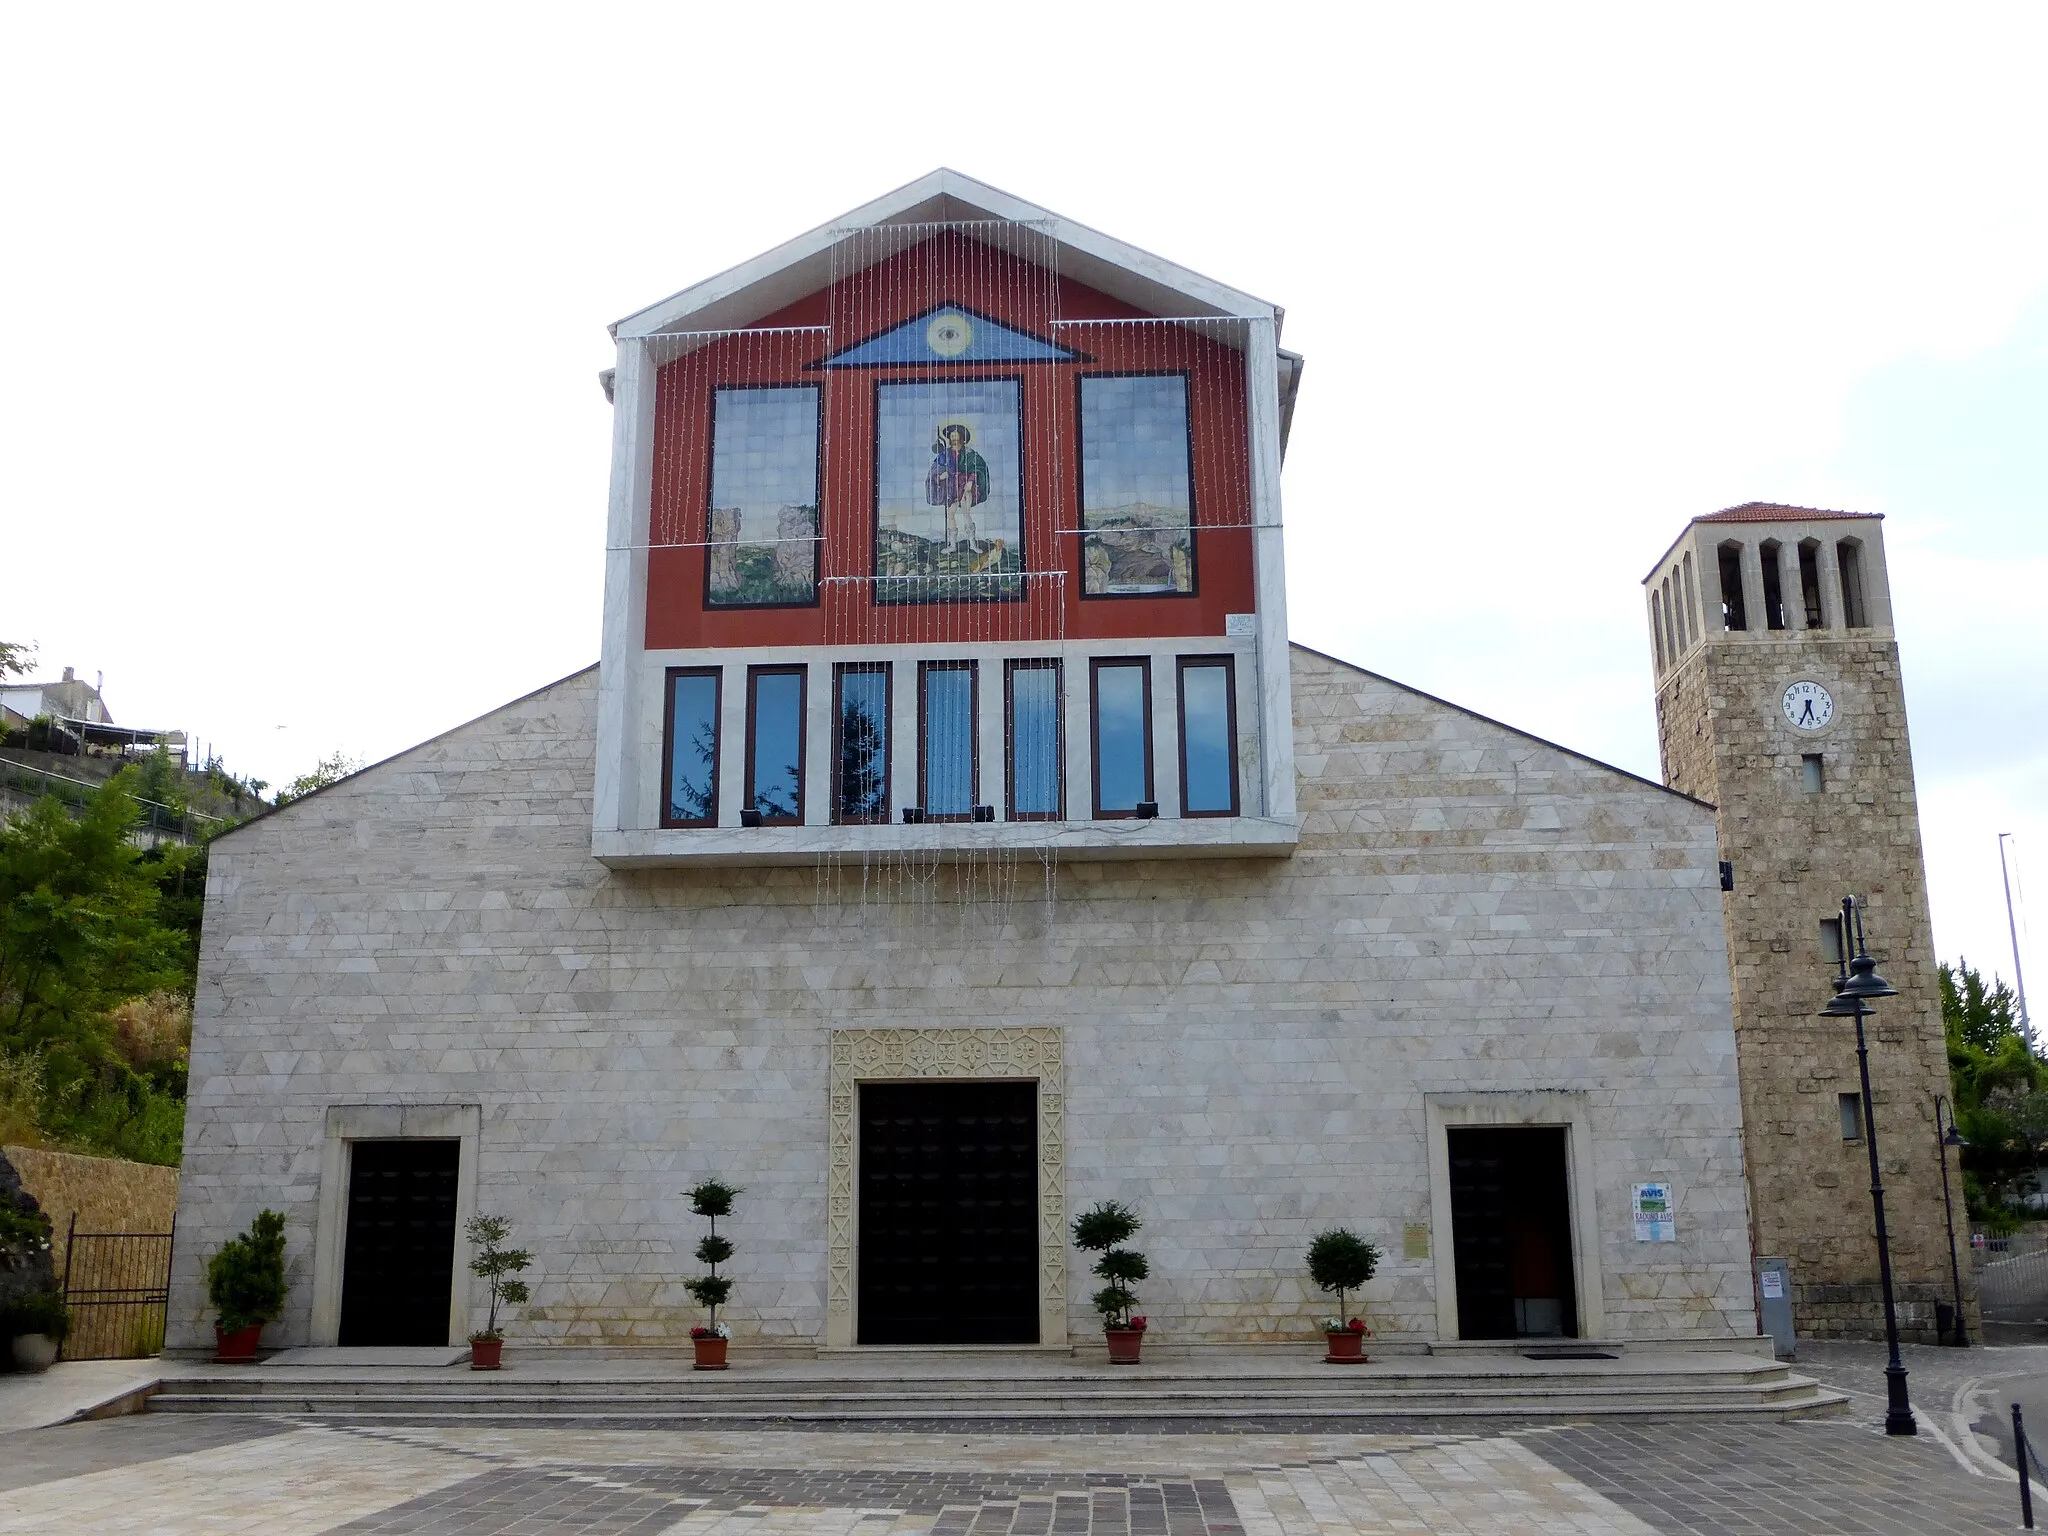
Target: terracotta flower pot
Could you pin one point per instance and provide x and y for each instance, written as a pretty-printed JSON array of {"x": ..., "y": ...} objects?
[
  {"x": 34, "y": 1351},
  {"x": 1347, "y": 1347},
  {"x": 710, "y": 1353},
  {"x": 485, "y": 1354},
  {"x": 237, "y": 1346},
  {"x": 1124, "y": 1344}
]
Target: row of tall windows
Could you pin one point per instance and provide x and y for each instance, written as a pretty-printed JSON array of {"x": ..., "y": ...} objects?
[{"x": 948, "y": 752}]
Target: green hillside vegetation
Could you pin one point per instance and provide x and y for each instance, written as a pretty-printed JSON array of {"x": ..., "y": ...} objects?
[
  {"x": 99, "y": 949},
  {"x": 2001, "y": 1096}
]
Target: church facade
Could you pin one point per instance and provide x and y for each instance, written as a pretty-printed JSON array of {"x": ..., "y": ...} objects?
[{"x": 950, "y": 838}]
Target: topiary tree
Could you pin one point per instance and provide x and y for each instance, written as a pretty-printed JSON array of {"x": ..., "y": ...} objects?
[
  {"x": 712, "y": 1199},
  {"x": 1341, "y": 1261},
  {"x": 245, "y": 1279},
  {"x": 1100, "y": 1231},
  {"x": 497, "y": 1266}
]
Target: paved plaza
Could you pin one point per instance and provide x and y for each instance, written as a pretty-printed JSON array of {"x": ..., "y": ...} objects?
[{"x": 280, "y": 1476}]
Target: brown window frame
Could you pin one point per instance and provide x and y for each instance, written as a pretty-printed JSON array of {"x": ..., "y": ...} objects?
[
  {"x": 1011, "y": 668},
  {"x": 973, "y": 671},
  {"x": 668, "y": 740},
  {"x": 1151, "y": 795},
  {"x": 1180, "y": 705},
  {"x": 802, "y": 674},
  {"x": 887, "y": 673}
]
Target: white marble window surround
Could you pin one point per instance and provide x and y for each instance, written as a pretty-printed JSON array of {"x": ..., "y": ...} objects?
[
  {"x": 350, "y": 1123},
  {"x": 1247, "y": 831}
]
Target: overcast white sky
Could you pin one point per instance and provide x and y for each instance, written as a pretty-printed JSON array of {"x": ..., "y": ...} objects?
[{"x": 301, "y": 442}]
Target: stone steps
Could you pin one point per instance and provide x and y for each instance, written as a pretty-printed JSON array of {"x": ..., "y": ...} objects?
[{"x": 683, "y": 1399}]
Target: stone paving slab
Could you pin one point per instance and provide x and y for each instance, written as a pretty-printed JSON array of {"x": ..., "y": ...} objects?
[
  {"x": 31, "y": 1400},
  {"x": 1680, "y": 1478}
]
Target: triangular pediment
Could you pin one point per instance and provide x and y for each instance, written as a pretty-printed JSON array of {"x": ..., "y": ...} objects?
[{"x": 949, "y": 334}]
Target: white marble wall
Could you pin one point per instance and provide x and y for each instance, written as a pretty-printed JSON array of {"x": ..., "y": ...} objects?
[{"x": 1247, "y": 1043}]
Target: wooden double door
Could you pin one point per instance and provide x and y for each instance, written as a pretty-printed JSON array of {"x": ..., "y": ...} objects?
[
  {"x": 948, "y": 1213},
  {"x": 398, "y": 1263}
]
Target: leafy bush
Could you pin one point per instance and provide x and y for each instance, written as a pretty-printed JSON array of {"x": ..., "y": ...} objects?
[
  {"x": 712, "y": 1199},
  {"x": 41, "y": 1312},
  {"x": 1100, "y": 1230},
  {"x": 497, "y": 1266},
  {"x": 245, "y": 1279},
  {"x": 1341, "y": 1261}
]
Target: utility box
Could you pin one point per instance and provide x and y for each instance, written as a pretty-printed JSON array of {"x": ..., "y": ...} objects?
[{"x": 1774, "y": 1306}]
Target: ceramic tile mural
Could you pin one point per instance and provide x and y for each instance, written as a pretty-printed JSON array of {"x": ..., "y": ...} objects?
[
  {"x": 1137, "y": 500},
  {"x": 764, "y": 497},
  {"x": 949, "y": 511}
]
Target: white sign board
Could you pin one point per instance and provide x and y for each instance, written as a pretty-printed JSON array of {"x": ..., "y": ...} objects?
[{"x": 1654, "y": 1220}]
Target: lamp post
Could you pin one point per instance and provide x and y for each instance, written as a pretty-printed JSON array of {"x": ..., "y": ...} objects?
[
  {"x": 1859, "y": 983},
  {"x": 1942, "y": 1142}
]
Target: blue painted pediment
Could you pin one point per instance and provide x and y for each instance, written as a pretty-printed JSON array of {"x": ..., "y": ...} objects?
[{"x": 951, "y": 333}]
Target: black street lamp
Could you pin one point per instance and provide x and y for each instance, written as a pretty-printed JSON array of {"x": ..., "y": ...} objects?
[
  {"x": 1860, "y": 983},
  {"x": 1942, "y": 1142}
]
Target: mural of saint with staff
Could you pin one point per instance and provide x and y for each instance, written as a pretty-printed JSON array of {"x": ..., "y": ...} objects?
[{"x": 957, "y": 481}]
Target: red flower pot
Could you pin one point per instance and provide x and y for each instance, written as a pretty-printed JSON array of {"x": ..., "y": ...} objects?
[
  {"x": 237, "y": 1346},
  {"x": 1124, "y": 1344},
  {"x": 486, "y": 1354},
  {"x": 1347, "y": 1347},
  {"x": 710, "y": 1353}
]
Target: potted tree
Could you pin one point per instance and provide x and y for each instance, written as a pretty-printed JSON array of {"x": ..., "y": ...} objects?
[
  {"x": 245, "y": 1283},
  {"x": 711, "y": 1199},
  {"x": 498, "y": 1267},
  {"x": 1100, "y": 1231},
  {"x": 38, "y": 1324},
  {"x": 1342, "y": 1261}
]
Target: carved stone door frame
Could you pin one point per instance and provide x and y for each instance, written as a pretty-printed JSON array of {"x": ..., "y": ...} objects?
[{"x": 907, "y": 1055}]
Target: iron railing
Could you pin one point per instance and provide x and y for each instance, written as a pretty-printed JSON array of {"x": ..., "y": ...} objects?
[{"x": 117, "y": 1287}]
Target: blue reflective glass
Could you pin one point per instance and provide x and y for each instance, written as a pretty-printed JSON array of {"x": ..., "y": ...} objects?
[
  {"x": 863, "y": 768},
  {"x": 693, "y": 748},
  {"x": 778, "y": 745},
  {"x": 1034, "y": 741},
  {"x": 948, "y": 741},
  {"x": 1205, "y": 739},
  {"x": 1120, "y": 737}
]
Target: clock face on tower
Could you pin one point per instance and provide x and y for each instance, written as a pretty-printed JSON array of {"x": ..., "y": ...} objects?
[{"x": 1808, "y": 706}]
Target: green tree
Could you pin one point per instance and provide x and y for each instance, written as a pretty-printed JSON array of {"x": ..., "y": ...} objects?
[
  {"x": 1101, "y": 1229},
  {"x": 331, "y": 769},
  {"x": 16, "y": 658},
  {"x": 712, "y": 1199},
  {"x": 80, "y": 928},
  {"x": 84, "y": 929},
  {"x": 1999, "y": 1085}
]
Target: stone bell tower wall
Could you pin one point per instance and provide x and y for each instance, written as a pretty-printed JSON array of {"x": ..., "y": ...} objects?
[{"x": 1796, "y": 852}]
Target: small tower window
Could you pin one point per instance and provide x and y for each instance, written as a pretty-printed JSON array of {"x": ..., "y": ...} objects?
[
  {"x": 1657, "y": 629},
  {"x": 1831, "y": 940},
  {"x": 1851, "y": 1106},
  {"x": 1670, "y": 630},
  {"x": 1809, "y": 583},
  {"x": 1733, "y": 615},
  {"x": 1811, "y": 776},
  {"x": 1849, "y": 558},
  {"x": 1772, "y": 553},
  {"x": 1692, "y": 602}
]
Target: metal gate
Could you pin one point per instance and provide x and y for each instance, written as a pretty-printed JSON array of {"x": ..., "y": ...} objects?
[{"x": 117, "y": 1286}]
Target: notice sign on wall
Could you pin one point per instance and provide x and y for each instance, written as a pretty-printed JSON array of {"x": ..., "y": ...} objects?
[{"x": 1654, "y": 1220}]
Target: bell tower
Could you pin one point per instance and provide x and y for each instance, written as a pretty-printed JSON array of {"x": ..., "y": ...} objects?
[{"x": 1779, "y": 700}]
